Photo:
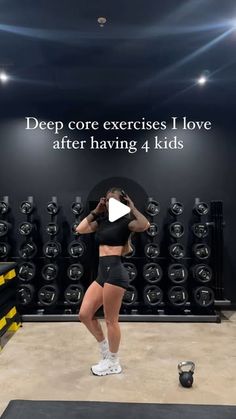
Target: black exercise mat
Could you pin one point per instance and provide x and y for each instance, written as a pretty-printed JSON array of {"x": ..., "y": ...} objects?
[{"x": 25, "y": 409}]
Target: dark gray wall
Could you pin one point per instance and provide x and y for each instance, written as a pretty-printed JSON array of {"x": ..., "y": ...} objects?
[{"x": 205, "y": 168}]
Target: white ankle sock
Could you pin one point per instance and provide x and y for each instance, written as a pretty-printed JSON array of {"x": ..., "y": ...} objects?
[
  {"x": 104, "y": 348},
  {"x": 114, "y": 356}
]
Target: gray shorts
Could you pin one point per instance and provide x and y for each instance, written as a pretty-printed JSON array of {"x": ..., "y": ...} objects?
[{"x": 112, "y": 271}]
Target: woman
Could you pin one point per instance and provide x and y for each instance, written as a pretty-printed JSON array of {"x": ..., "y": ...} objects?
[{"x": 112, "y": 280}]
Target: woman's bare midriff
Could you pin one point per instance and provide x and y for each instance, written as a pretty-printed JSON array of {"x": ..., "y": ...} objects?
[{"x": 105, "y": 250}]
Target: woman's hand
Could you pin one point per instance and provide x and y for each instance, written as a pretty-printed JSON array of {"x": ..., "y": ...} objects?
[
  {"x": 101, "y": 206},
  {"x": 129, "y": 202}
]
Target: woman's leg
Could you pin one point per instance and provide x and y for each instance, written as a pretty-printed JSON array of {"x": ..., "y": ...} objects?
[
  {"x": 112, "y": 299},
  {"x": 92, "y": 301}
]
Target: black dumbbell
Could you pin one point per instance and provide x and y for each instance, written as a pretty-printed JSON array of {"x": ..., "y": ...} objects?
[
  {"x": 200, "y": 230},
  {"x": 28, "y": 250},
  {"x": 73, "y": 228},
  {"x": 52, "y": 229},
  {"x": 130, "y": 296},
  {"x": 26, "y": 228},
  {"x": 131, "y": 269},
  {"x": 52, "y": 208},
  {"x": 75, "y": 271},
  {"x": 177, "y": 251},
  {"x": 201, "y": 251},
  {"x": 152, "y": 272},
  {"x": 176, "y": 208},
  {"x": 152, "y": 207},
  {"x": 26, "y": 207},
  {"x": 74, "y": 294},
  {"x": 48, "y": 295},
  {"x": 25, "y": 294},
  {"x": 202, "y": 273},
  {"x": 177, "y": 273},
  {"x": 4, "y": 228},
  {"x": 76, "y": 248},
  {"x": 204, "y": 296},
  {"x": 52, "y": 249},
  {"x": 77, "y": 208},
  {"x": 178, "y": 296},
  {"x": 4, "y": 207},
  {"x": 176, "y": 230},
  {"x": 26, "y": 271},
  {"x": 152, "y": 295},
  {"x": 152, "y": 230},
  {"x": 152, "y": 250},
  {"x": 201, "y": 208},
  {"x": 50, "y": 272}
]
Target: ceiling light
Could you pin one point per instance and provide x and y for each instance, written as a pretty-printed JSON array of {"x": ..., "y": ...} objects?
[
  {"x": 3, "y": 77},
  {"x": 102, "y": 21},
  {"x": 202, "y": 80}
]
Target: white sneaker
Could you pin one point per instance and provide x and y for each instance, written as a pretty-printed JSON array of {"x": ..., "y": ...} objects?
[{"x": 106, "y": 367}]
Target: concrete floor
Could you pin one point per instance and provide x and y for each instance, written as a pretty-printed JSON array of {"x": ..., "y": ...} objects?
[{"x": 51, "y": 361}]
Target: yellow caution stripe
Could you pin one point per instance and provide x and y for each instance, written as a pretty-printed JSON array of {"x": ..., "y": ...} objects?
[
  {"x": 11, "y": 313},
  {"x": 11, "y": 274},
  {"x": 3, "y": 323}
]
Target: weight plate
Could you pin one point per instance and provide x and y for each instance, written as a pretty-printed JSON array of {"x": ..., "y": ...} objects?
[
  {"x": 201, "y": 251},
  {"x": 202, "y": 273},
  {"x": 200, "y": 230},
  {"x": 48, "y": 295},
  {"x": 130, "y": 296},
  {"x": 152, "y": 230},
  {"x": 152, "y": 272},
  {"x": 77, "y": 208},
  {"x": 26, "y": 271},
  {"x": 52, "y": 208},
  {"x": 76, "y": 248},
  {"x": 4, "y": 227},
  {"x": 177, "y": 251},
  {"x": 176, "y": 208},
  {"x": 73, "y": 228},
  {"x": 52, "y": 249},
  {"x": 74, "y": 294},
  {"x": 202, "y": 208},
  {"x": 26, "y": 207},
  {"x": 4, "y": 207},
  {"x": 50, "y": 272},
  {"x": 177, "y": 273},
  {"x": 75, "y": 271},
  {"x": 204, "y": 296},
  {"x": 25, "y": 294},
  {"x": 52, "y": 229},
  {"x": 152, "y": 207},
  {"x": 28, "y": 250},
  {"x": 4, "y": 249},
  {"x": 131, "y": 269},
  {"x": 25, "y": 228},
  {"x": 178, "y": 296},
  {"x": 152, "y": 295},
  {"x": 152, "y": 250},
  {"x": 176, "y": 230}
]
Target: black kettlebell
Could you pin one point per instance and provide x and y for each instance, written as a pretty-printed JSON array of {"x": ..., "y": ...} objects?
[{"x": 186, "y": 377}]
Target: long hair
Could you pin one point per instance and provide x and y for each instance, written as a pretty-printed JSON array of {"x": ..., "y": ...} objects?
[{"x": 113, "y": 190}]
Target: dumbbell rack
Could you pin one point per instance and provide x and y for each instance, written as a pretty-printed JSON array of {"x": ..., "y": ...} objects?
[{"x": 139, "y": 312}]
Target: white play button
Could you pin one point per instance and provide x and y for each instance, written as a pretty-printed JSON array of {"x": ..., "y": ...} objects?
[{"x": 116, "y": 209}]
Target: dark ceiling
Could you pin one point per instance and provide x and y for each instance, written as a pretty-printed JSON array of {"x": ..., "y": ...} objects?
[{"x": 149, "y": 53}]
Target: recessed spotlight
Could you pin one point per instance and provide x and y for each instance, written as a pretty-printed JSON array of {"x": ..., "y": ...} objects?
[
  {"x": 3, "y": 77},
  {"x": 202, "y": 80},
  {"x": 102, "y": 21}
]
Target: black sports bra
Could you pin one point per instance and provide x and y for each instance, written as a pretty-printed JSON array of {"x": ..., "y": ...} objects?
[{"x": 114, "y": 233}]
